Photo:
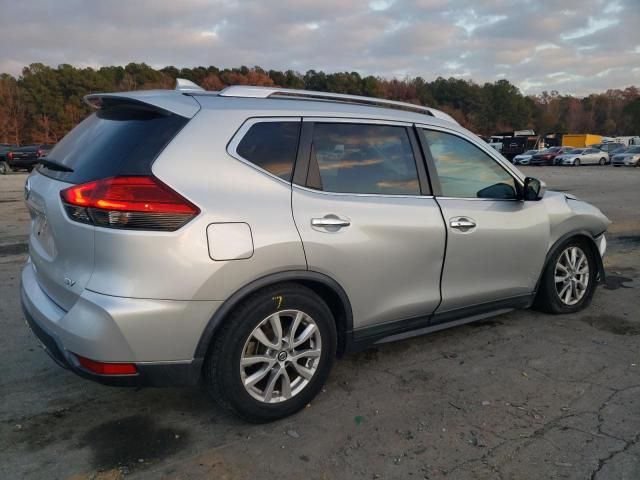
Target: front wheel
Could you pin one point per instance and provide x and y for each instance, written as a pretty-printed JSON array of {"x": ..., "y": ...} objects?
[
  {"x": 569, "y": 279},
  {"x": 273, "y": 354},
  {"x": 4, "y": 168},
  {"x": 603, "y": 161},
  {"x": 576, "y": 162}
]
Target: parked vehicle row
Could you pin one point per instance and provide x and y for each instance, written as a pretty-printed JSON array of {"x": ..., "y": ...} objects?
[
  {"x": 15, "y": 158},
  {"x": 594, "y": 155}
]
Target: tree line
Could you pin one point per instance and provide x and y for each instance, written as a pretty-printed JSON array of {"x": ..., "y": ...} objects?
[{"x": 44, "y": 103}]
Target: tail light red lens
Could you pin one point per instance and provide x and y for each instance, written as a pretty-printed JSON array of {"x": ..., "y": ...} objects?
[
  {"x": 139, "y": 203},
  {"x": 40, "y": 153},
  {"x": 10, "y": 155},
  {"x": 103, "y": 368}
]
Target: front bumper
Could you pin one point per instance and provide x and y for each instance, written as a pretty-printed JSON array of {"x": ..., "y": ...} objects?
[{"x": 114, "y": 329}]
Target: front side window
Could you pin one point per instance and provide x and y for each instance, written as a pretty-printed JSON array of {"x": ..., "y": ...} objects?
[
  {"x": 271, "y": 146},
  {"x": 363, "y": 158},
  {"x": 465, "y": 171}
]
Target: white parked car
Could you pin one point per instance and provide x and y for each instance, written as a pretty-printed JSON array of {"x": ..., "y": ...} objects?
[
  {"x": 524, "y": 158},
  {"x": 583, "y": 156}
]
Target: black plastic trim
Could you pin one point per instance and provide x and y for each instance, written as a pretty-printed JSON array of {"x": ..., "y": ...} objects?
[
  {"x": 423, "y": 178},
  {"x": 301, "y": 165},
  {"x": 367, "y": 336},
  {"x": 430, "y": 164},
  {"x": 287, "y": 276}
]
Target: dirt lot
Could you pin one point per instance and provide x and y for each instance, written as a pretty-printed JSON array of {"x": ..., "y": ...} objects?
[{"x": 520, "y": 396}]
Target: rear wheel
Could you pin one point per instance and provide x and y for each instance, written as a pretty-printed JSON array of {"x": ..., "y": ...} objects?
[
  {"x": 569, "y": 279},
  {"x": 273, "y": 355},
  {"x": 4, "y": 168},
  {"x": 603, "y": 161}
]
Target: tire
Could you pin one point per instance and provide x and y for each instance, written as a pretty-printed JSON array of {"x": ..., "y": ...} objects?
[
  {"x": 603, "y": 161},
  {"x": 225, "y": 377},
  {"x": 4, "y": 168},
  {"x": 576, "y": 162},
  {"x": 549, "y": 298}
]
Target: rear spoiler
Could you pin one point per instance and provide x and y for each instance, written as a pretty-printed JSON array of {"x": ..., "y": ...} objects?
[{"x": 164, "y": 100}]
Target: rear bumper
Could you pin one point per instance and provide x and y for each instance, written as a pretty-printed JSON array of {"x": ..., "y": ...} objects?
[{"x": 114, "y": 329}]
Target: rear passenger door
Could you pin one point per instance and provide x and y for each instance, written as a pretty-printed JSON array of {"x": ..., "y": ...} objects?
[
  {"x": 496, "y": 243},
  {"x": 367, "y": 218}
]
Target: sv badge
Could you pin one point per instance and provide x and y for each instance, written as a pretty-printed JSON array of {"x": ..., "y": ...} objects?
[{"x": 69, "y": 282}]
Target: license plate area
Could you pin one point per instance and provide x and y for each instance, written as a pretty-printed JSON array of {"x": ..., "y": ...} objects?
[{"x": 41, "y": 232}]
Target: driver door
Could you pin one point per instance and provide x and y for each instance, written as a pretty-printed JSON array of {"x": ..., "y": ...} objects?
[{"x": 496, "y": 243}]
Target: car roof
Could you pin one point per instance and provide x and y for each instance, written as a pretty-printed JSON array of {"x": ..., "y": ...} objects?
[
  {"x": 315, "y": 108},
  {"x": 189, "y": 101}
]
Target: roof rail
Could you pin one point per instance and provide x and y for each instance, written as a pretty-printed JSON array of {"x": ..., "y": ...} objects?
[
  {"x": 184, "y": 85},
  {"x": 274, "y": 92}
]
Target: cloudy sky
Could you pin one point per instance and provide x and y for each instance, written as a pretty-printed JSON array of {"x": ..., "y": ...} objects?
[{"x": 574, "y": 46}]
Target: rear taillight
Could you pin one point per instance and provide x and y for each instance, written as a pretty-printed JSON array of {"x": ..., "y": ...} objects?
[
  {"x": 10, "y": 155},
  {"x": 40, "y": 153},
  {"x": 135, "y": 203}
]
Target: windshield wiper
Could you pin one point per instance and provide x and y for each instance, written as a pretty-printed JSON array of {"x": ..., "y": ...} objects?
[{"x": 54, "y": 165}]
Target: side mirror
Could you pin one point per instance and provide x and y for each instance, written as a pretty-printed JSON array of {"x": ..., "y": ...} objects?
[{"x": 534, "y": 189}]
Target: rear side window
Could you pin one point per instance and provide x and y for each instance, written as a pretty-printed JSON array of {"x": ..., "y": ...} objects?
[
  {"x": 118, "y": 140},
  {"x": 362, "y": 158},
  {"x": 271, "y": 146}
]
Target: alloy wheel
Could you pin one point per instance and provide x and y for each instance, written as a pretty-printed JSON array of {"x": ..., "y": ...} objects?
[
  {"x": 281, "y": 356},
  {"x": 572, "y": 275}
]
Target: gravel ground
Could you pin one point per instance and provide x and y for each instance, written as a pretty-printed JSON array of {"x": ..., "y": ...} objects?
[{"x": 519, "y": 396}]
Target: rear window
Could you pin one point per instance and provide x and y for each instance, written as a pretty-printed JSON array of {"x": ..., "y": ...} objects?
[
  {"x": 362, "y": 158},
  {"x": 118, "y": 140},
  {"x": 271, "y": 146}
]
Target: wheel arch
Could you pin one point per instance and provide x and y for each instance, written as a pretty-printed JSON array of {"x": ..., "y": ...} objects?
[
  {"x": 559, "y": 243},
  {"x": 326, "y": 287}
]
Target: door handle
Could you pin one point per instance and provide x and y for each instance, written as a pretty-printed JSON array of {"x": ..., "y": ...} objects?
[
  {"x": 330, "y": 222},
  {"x": 462, "y": 223}
]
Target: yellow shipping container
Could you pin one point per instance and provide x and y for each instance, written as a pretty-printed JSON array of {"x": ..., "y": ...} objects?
[{"x": 580, "y": 139}]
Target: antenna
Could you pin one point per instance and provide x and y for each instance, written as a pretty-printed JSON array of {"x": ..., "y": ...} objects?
[{"x": 184, "y": 85}]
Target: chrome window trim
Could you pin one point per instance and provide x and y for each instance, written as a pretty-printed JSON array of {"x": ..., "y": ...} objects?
[
  {"x": 237, "y": 137},
  {"x": 481, "y": 199},
  {"x": 364, "y": 121},
  {"x": 503, "y": 162},
  {"x": 343, "y": 194}
]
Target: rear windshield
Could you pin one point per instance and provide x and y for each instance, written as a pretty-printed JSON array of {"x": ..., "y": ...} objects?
[{"x": 119, "y": 140}]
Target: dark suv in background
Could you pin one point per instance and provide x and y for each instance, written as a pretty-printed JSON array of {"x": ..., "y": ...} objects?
[
  {"x": 24, "y": 158},
  {"x": 546, "y": 157}
]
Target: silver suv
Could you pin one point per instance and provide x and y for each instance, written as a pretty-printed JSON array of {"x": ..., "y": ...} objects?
[{"x": 245, "y": 238}]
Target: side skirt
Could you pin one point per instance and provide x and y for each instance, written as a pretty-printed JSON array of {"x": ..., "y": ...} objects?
[{"x": 401, "y": 329}]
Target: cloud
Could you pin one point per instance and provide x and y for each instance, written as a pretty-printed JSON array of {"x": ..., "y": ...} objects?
[
  {"x": 593, "y": 26},
  {"x": 526, "y": 42}
]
